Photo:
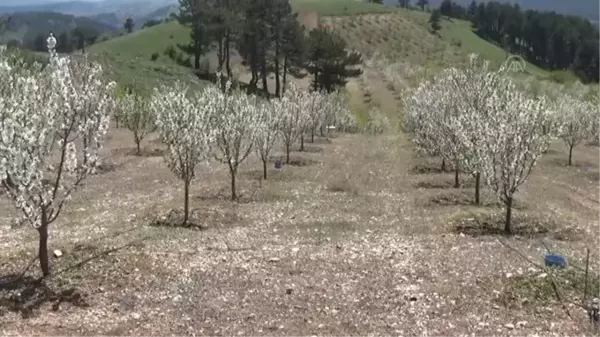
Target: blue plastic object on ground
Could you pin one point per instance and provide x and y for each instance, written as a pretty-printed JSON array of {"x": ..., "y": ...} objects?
[{"x": 553, "y": 260}]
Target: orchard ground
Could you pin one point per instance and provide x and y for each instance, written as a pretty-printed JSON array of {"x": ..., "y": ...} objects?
[{"x": 359, "y": 236}]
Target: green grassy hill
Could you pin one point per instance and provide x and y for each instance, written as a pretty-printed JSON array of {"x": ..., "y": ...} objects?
[
  {"x": 375, "y": 30},
  {"x": 340, "y": 7},
  {"x": 405, "y": 36},
  {"x": 129, "y": 57}
]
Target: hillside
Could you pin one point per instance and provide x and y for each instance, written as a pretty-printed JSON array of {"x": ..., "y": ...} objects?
[
  {"x": 25, "y": 27},
  {"x": 585, "y": 8},
  {"x": 387, "y": 38},
  {"x": 129, "y": 56},
  {"x": 396, "y": 46}
]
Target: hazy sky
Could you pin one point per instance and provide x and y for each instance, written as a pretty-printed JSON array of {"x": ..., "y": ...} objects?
[
  {"x": 36, "y": 2},
  {"x": 31, "y": 2}
]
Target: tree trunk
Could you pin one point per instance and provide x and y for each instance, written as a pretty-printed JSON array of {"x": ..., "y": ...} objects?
[
  {"x": 233, "y": 194},
  {"x": 254, "y": 69},
  {"x": 545, "y": 132},
  {"x": 287, "y": 153},
  {"x": 220, "y": 54},
  {"x": 264, "y": 74},
  {"x": 186, "y": 202},
  {"x": 43, "y": 245},
  {"x": 312, "y": 135},
  {"x": 85, "y": 145},
  {"x": 264, "y": 169},
  {"x": 197, "y": 56},
  {"x": 302, "y": 142},
  {"x": 507, "y": 223},
  {"x": 284, "y": 77},
  {"x": 570, "y": 155},
  {"x": 227, "y": 53},
  {"x": 477, "y": 180},
  {"x": 276, "y": 61},
  {"x": 456, "y": 180},
  {"x": 137, "y": 147},
  {"x": 443, "y": 165}
]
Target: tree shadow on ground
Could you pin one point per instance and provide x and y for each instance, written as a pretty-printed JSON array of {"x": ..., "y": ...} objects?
[
  {"x": 445, "y": 184},
  {"x": 312, "y": 149},
  {"x": 320, "y": 140},
  {"x": 428, "y": 168},
  {"x": 460, "y": 199},
  {"x": 301, "y": 162},
  {"x": 144, "y": 152},
  {"x": 175, "y": 218},
  {"x": 108, "y": 164},
  {"x": 25, "y": 294},
  {"x": 563, "y": 161},
  {"x": 522, "y": 225},
  {"x": 198, "y": 218}
]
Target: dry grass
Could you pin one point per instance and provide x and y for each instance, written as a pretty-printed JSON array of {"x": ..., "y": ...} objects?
[
  {"x": 342, "y": 246},
  {"x": 402, "y": 35}
]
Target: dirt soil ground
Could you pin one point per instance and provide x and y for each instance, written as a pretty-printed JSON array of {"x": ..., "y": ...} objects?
[{"x": 357, "y": 237}]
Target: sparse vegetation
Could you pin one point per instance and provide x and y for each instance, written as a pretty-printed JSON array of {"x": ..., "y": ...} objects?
[{"x": 354, "y": 232}]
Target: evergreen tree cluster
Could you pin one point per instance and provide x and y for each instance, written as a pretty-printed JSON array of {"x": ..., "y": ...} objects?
[
  {"x": 547, "y": 39},
  {"x": 270, "y": 40}
]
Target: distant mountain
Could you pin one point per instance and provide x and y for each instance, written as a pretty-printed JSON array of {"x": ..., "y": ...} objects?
[
  {"x": 87, "y": 8},
  {"x": 109, "y": 12},
  {"x": 159, "y": 14},
  {"x": 25, "y": 27},
  {"x": 111, "y": 19},
  {"x": 117, "y": 19}
]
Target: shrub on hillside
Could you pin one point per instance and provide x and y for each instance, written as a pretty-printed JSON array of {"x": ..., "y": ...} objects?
[
  {"x": 171, "y": 52},
  {"x": 154, "y": 56}
]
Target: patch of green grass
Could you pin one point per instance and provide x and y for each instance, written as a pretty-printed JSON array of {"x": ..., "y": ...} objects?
[
  {"x": 128, "y": 58},
  {"x": 403, "y": 35},
  {"x": 537, "y": 290},
  {"x": 340, "y": 7},
  {"x": 142, "y": 43},
  {"x": 461, "y": 35}
]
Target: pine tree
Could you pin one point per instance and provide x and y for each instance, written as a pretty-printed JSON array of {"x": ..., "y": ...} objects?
[
  {"x": 128, "y": 25},
  {"x": 434, "y": 21},
  {"x": 328, "y": 61},
  {"x": 193, "y": 13},
  {"x": 403, "y": 3},
  {"x": 472, "y": 11},
  {"x": 446, "y": 7},
  {"x": 293, "y": 50}
]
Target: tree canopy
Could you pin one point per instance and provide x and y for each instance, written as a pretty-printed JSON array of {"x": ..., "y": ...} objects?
[{"x": 546, "y": 39}]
